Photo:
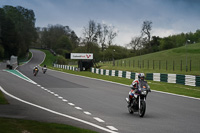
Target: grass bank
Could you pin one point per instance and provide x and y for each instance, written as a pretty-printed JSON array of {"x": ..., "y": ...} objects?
[
  {"x": 167, "y": 61},
  {"x": 28, "y": 126},
  {"x": 3, "y": 99}
]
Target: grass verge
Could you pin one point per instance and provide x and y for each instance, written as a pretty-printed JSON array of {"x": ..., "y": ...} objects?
[
  {"x": 3, "y": 99},
  {"x": 28, "y": 126},
  {"x": 167, "y": 61}
]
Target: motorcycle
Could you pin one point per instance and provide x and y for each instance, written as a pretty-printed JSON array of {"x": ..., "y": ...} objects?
[
  {"x": 35, "y": 71},
  {"x": 44, "y": 69},
  {"x": 138, "y": 102}
]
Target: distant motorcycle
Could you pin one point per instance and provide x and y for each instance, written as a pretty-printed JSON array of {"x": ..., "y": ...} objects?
[
  {"x": 35, "y": 71},
  {"x": 138, "y": 101},
  {"x": 44, "y": 69}
]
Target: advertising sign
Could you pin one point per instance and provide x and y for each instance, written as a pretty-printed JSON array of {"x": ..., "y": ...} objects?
[{"x": 82, "y": 56}]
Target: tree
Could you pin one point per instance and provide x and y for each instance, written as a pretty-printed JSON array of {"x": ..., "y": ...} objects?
[
  {"x": 101, "y": 34},
  {"x": 111, "y": 35},
  {"x": 50, "y": 36},
  {"x": 135, "y": 43},
  {"x": 18, "y": 30},
  {"x": 64, "y": 43},
  {"x": 90, "y": 32},
  {"x": 154, "y": 43},
  {"x": 146, "y": 29}
]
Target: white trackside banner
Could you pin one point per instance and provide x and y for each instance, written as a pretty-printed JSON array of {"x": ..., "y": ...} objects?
[{"x": 87, "y": 56}]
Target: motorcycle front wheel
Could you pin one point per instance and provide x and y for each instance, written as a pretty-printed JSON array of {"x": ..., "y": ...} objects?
[{"x": 142, "y": 108}]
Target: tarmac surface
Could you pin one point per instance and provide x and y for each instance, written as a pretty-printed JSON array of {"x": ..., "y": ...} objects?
[{"x": 94, "y": 101}]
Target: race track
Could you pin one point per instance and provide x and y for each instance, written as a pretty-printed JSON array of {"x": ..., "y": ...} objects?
[{"x": 101, "y": 104}]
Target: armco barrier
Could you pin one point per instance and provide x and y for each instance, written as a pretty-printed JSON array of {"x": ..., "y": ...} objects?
[{"x": 189, "y": 80}]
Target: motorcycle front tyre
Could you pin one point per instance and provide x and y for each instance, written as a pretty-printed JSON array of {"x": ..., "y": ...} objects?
[{"x": 142, "y": 108}]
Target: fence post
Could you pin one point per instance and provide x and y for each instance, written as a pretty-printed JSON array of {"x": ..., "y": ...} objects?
[
  {"x": 181, "y": 65},
  {"x": 173, "y": 65},
  {"x": 129, "y": 63},
  {"x": 153, "y": 64},
  {"x": 125, "y": 63},
  {"x": 133, "y": 63},
  {"x": 143, "y": 63},
  {"x": 159, "y": 64},
  {"x": 148, "y": 64},
  {"x": 190, "y": 64},
  {"x": 166, "y": 65}
]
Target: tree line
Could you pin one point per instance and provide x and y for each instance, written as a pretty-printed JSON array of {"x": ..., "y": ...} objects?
[
  {"x": 145, "y": 43},
  {"x": 18, "y": 33}
]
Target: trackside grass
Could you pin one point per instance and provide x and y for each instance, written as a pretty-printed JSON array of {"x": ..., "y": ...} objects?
[
  {"x": 2, "y": 99},
  {"x": 28, "y": 126},
  {"x": 167, "y": 61}
]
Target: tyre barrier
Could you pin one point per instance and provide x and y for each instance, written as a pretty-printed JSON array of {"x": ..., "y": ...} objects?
[
  {"x": 66, "y": 67},
  {"x": 189, "y": 80}
]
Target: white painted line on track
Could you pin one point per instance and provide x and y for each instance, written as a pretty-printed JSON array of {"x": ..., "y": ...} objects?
[
  {"x": 64, "y": 100},
  {"x": 42, "y": 87},
  {"x": 60, "y": 97},
  {"x": 71, "y": 104},
  {"x": 56, "y": 95},
  {"x": 87, "y": 113},
  {"x": 29, "y": 80},
  {"x": 57, "y": 113},
  {"x": 112, "y": 128},
  {"x": 38, "y": 85},
  {"x": 78, "y": 108},
  {"x": 98, "y": 119}
]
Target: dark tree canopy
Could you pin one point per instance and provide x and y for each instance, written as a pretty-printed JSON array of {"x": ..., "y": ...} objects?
[{"x": 18, "y": 31}]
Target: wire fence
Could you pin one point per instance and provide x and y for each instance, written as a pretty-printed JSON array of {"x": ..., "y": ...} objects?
[{"x": 192, "y": 64}]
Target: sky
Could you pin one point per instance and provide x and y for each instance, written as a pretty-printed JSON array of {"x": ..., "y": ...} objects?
[{"x": 168, "y": 17}]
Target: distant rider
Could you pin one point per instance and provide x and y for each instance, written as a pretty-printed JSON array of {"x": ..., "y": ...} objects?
[
  {"x": 35, "y": 69},
  {"x": 44, "y": 67}
]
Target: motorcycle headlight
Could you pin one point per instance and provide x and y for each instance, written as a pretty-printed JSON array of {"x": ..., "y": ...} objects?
[{"x": 144, "y": 92}]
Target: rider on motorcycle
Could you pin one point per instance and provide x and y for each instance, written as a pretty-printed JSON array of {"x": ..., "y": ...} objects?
[
  {"x": 44, "y": 69},
  {"x": 35, "y": 68},
  {"x": 134, "y": 87},
  {"x": 136, "y": 84}
]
